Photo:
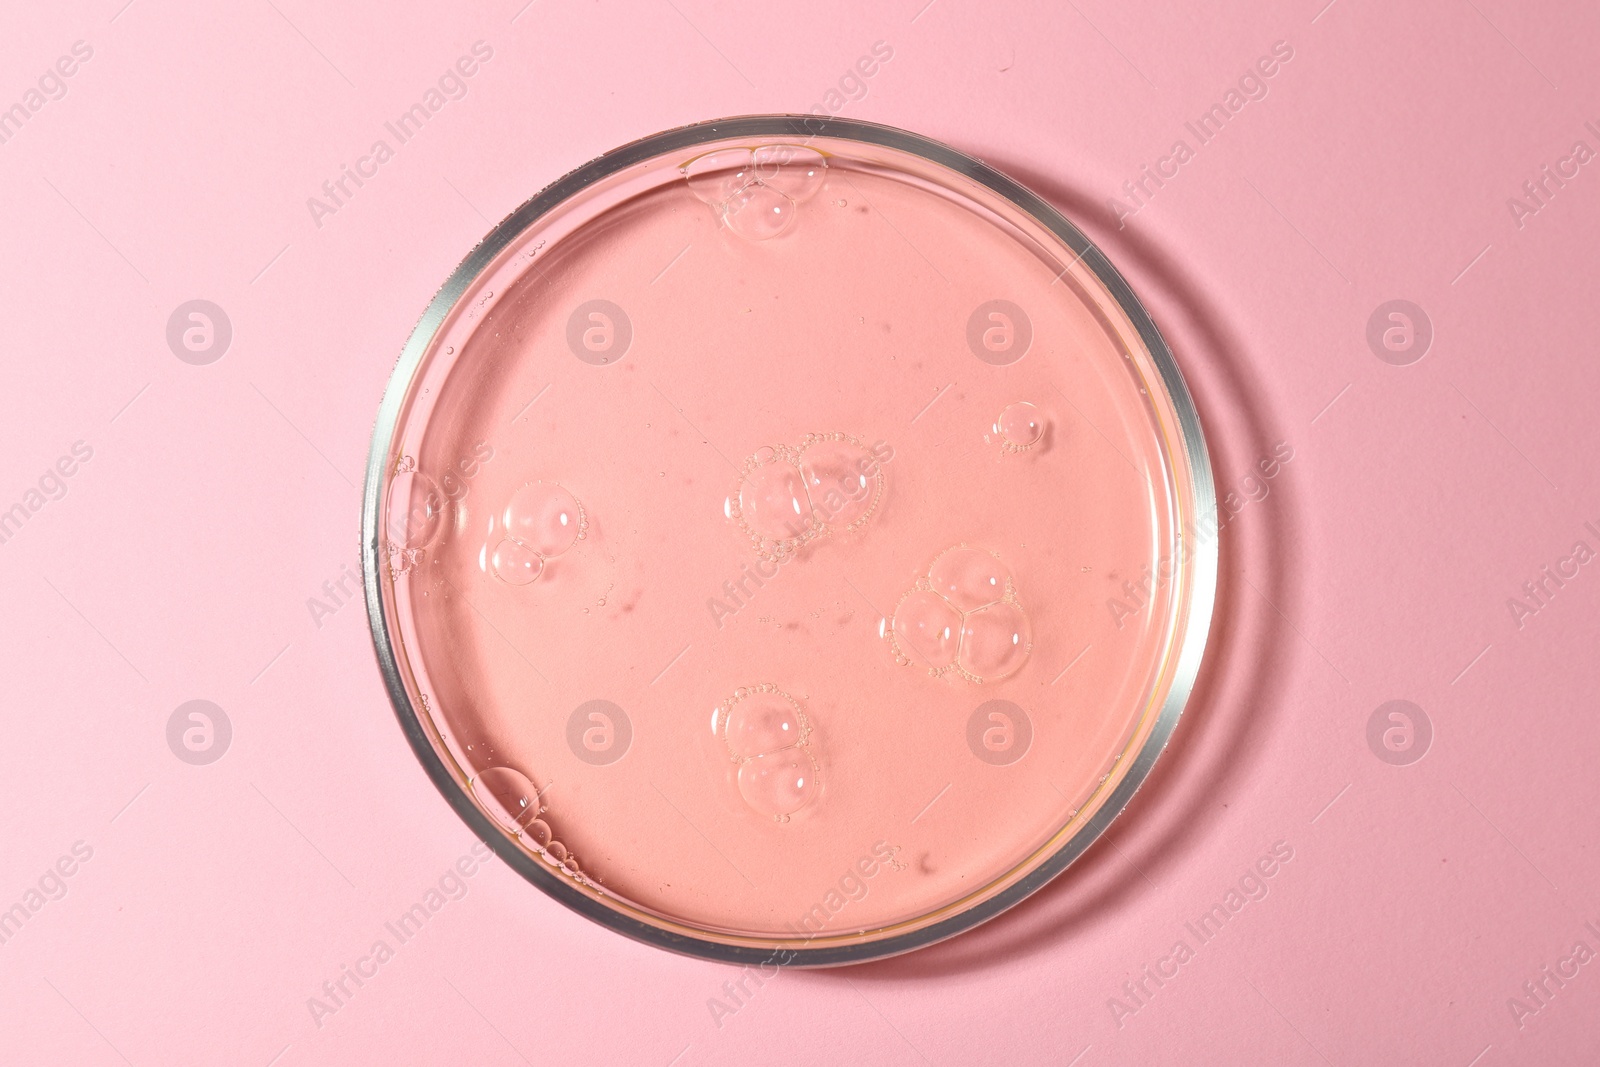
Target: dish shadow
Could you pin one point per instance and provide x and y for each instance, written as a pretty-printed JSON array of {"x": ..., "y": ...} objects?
[{"x": 1233, "y": 706}]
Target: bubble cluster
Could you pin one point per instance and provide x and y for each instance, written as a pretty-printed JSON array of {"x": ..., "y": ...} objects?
[
  {"x": 541, "y": 520},
  {"x": 962, "y": 617},
  {"x": 511, "y": 799},
  {"x": 1019, "y": 427},
  {"x": 755, "y": 191},
  {"x": 768, "y": 736},
  {"x": 789, "y": 496}
]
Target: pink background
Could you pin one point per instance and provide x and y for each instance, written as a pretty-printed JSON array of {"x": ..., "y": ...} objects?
[{"x": 217, "y": 899}]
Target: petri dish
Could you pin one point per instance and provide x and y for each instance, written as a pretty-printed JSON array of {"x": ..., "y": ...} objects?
[{"x": 787, "y": 541}]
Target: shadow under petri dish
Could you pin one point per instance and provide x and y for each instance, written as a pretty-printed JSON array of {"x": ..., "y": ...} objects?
[{"x": 784, "y": 538}]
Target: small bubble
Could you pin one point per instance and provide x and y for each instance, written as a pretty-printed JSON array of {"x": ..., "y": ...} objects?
[
  {"x": 509, "y": 796},
  {"x": 1020, "y": 426}
]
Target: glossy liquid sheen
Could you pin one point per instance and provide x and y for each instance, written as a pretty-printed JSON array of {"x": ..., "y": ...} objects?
[{"x": 727, "y": 605}]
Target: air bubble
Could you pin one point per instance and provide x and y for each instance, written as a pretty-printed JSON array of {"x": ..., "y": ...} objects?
[
  {"x": 1020, "y": 426},
  {"x": 402, "y": 560},
  {"x": 994, "y": 641},
  {"x": 716, "y": 176},
  {"x": 509, "y": 796},
  {"x": 545, "y": 517},
  {"x": 515, "y": 563},
  {"x": 416, "y": 507},
  {"x": 926, "y": 626},
  {"x": 968, "y": 578},
  {"x": 962, "y": 616},
  {"x": 836, "y": 478},
  {"x": 763, "y": 722},
  {"x": 759, "y": 212},
  {"x": 778, "y": 784},
  {"x": 773, "y": 501},
  {"x": 792, "y": 170}
]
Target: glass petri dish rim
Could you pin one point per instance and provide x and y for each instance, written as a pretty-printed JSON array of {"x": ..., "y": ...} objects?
[{"x": 1188, "y": 644}]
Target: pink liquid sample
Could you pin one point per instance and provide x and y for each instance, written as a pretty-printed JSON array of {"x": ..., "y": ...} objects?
[{"x": 758, "y": 542}]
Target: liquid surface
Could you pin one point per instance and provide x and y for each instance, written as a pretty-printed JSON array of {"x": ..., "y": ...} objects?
[{"x": 786, "y": 524}]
